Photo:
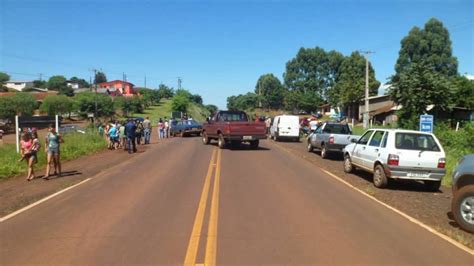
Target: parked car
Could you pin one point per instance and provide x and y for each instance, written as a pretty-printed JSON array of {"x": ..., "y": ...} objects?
[
  {"x": 398, "y": 154},
  {"x": 71, "y": 129},
  {"x": 185, "y": 128},
  {"x": 285, "y": 126},
  {"x": 330, "y": 137},
  {"x": 462, "y": 204},
  {"x": 233, "y": 127}
]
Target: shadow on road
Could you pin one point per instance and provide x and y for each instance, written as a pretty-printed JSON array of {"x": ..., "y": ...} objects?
[
  {"x": 64, "y": 174},
  {"x": 242, "y": 147}
]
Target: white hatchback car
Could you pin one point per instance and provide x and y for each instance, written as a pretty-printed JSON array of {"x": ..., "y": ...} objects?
[{"x": 398, "y": 154}]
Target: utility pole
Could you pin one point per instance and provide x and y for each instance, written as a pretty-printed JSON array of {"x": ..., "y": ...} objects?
[
  {"x": 95, "y": 97},
  {"x": 41, "y": 76},
  {"x": 179, "y": 83},
  {"x": 145, "y": 81},
  {"x": 366, "y": 113}
]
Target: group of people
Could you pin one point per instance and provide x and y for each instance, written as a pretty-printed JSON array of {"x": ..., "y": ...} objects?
[
  {"x": 117, "y": 135},
  {"x": 127, "y": 134},
  {"x": 164, "y": 126},
  {"x": 30, "y": 146}
]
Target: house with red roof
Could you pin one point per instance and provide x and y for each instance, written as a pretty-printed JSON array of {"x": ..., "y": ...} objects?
[{"x": 116, "y": 88}]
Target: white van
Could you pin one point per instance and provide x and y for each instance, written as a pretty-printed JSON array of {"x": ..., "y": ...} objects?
[{"x": 285, "y": 126}]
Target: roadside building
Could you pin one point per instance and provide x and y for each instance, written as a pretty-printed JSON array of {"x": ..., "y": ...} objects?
[
  {"x": 116, "y": 88},
  {"x": 19, "y": 85},
  {"x": 381, "y": 109},
  {"x": 73, "y": 85}
]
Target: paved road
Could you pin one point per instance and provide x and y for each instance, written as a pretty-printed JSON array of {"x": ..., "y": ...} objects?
[{"x": 196, "y": 204}]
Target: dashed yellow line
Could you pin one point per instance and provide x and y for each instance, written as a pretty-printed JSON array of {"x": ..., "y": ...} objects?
[{"x": 193, "y": 245}]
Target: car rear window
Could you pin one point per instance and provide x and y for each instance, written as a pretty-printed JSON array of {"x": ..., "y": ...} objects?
[
  {"x": 233, "y": 116},
  {"x": 337, "y": 129},
  {"x": 414, "y": 141}
]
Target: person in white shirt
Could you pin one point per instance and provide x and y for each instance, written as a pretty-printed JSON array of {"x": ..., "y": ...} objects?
[{"x": 167, "y": 128}]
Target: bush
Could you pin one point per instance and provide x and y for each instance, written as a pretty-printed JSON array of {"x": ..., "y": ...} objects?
[
  {"x": 180, "y": 103},
  {"x": 456, "y": 145},
  {"x": 57, "y": 105},
  {"x": 85, "y": 104}
]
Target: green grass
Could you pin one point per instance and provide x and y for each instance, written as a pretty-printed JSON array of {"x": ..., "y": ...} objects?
[
  {"x": 163, "y": 109},
  {"x": 74, "y": 146}
]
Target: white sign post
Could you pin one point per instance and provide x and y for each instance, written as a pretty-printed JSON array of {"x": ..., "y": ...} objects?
[
  {"x": 57, "y": 124},
  {"x": 17, "y": 134}
]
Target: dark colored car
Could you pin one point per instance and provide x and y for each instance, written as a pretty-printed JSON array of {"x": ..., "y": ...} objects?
[
  {"x": 233, "y": 127},
  {"x": 185, "y": 128},
  {"x": 463, "y": 193},
  {"x": 66, "y": 129}
]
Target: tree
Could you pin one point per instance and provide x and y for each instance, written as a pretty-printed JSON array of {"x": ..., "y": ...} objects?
[
  {"x": 100, "y": 77},
  {"x": 211, "y": 108},
  {"x": 196, "y": 98},
  {"x": 85, "y": 104},
  {"x": 313, "y": 70},
  {"x": 271, "y": 91},
  {"x": 243, "y": 102},
  {"x": 40, "y": 84},
  {"x": 180, "y": 103},
  {"x": 464, "y": 92},
  {"x": 300, "y": 100},
  {"x": 57, "y": 105},
  {"x": 165, "y": 92},
  {"x": 22, "y": 104},
  {"x": 82, "y": 82},
  {"x": 56, "y": 82},
  {"x": 424, "y": 72},
  {"x": 349, "y": 89},
  {"x": 4, "y": 77}
]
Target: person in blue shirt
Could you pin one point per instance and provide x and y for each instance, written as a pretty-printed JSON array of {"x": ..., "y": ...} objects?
[{"x": 130, "y": 132}]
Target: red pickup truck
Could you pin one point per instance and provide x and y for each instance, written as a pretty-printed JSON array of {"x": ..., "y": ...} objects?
[{"x": 233, "y": 127}]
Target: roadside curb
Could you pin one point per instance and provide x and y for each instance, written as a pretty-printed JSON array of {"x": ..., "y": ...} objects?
[{"x": 408, "y": 217}]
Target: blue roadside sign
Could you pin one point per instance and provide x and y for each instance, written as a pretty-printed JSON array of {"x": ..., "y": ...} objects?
[{"x": 426, "y": 123}]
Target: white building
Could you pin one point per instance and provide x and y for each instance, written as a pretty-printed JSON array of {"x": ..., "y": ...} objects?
[
  {"x": 73, "y": 85},
  {"x": 19, "y": 85}
]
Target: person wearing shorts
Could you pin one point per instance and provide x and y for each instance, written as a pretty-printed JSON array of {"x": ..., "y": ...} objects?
[{"x": 52, "y": 149}]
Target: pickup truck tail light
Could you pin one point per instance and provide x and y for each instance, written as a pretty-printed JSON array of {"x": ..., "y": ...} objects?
[
  {"x": 331, "y": 140},
  {"x": 441, "y": 163},
  {"x": 393, "y": 159}
]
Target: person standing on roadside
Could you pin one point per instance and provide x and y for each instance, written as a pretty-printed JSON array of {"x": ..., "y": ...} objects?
[
  {"x": 1, "y": 136},
  {"x": 167, "y": 127},
  {"x": 27, "y": 154},
  {"x": 123, "y": 138},
  {"x": 147, "y": 130},
  {"x": 52, "y": 149},
  {"x": 113, "y": 137},
  {"x": 161, "y": 128},
  {"x": 130, "y": 131}
]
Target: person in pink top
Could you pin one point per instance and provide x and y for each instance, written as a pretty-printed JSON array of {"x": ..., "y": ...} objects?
[{"x": 28, "y": 154}]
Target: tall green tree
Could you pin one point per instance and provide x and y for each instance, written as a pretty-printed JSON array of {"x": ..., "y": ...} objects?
[
  {"x": 4, "y": 77},
  {"x": 349, "y": 89},
  {"x": 100, "y": 77},
  {"x": 464, "y": 94},
  {"x": 180, "y": 103},
  {"x": 82, "y": 82},
  {"x": 313, "y": 70},
  {"x": 424, "y": 72},
  {"x": 243, "y": 102},
  {"x": 271, "y": 91},
  {"x": 85, "y": 104},
  {"x": 56, "y": 82},
  {"x": 165, "y": 92}
]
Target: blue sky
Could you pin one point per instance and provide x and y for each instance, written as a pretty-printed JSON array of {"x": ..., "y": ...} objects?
[{"x": 219, "y": 48}]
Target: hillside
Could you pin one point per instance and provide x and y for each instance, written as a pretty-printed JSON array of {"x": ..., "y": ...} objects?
[{"x": 163, "y": 109}]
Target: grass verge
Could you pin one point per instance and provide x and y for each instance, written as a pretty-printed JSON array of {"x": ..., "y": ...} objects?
[{"x": 74, "y": 146}]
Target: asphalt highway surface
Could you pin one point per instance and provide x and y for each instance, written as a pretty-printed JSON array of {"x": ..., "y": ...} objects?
[{"x": 187, "y": 203}]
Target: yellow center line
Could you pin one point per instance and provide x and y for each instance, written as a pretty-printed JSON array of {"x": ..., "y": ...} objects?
[
  {"x": 193, "y": 245},
  {"x": 211, "y": 245}
]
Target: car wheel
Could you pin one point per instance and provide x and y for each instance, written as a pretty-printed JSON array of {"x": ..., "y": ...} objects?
[
  {"x": 309, "y": 148},
  {"x": 463, "y": 208},
  {"x": 254, "y": 144},
  {"x": 324, "y": 152},
  {"x": 348, "y": 167},
  {"x": 380, "y": 179},
  {"x": 221, "y": 141},
  {"x": 205, "y": 138},
  {"x": 432, "y": 186}
]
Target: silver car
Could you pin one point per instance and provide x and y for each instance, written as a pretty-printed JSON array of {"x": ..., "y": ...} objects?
[{"x": 463, "y": 193}]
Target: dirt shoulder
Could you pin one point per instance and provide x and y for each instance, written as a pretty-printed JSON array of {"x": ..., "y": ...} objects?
[
  {"x": 16, "y": 192},
  {"x": 433, "y": 209}
]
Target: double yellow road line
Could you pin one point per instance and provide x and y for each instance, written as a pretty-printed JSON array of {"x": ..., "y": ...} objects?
[{"x": 211, "y": 241}]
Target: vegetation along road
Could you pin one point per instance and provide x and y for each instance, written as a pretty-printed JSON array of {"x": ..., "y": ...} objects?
[{"x": 201, "y": 204}]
